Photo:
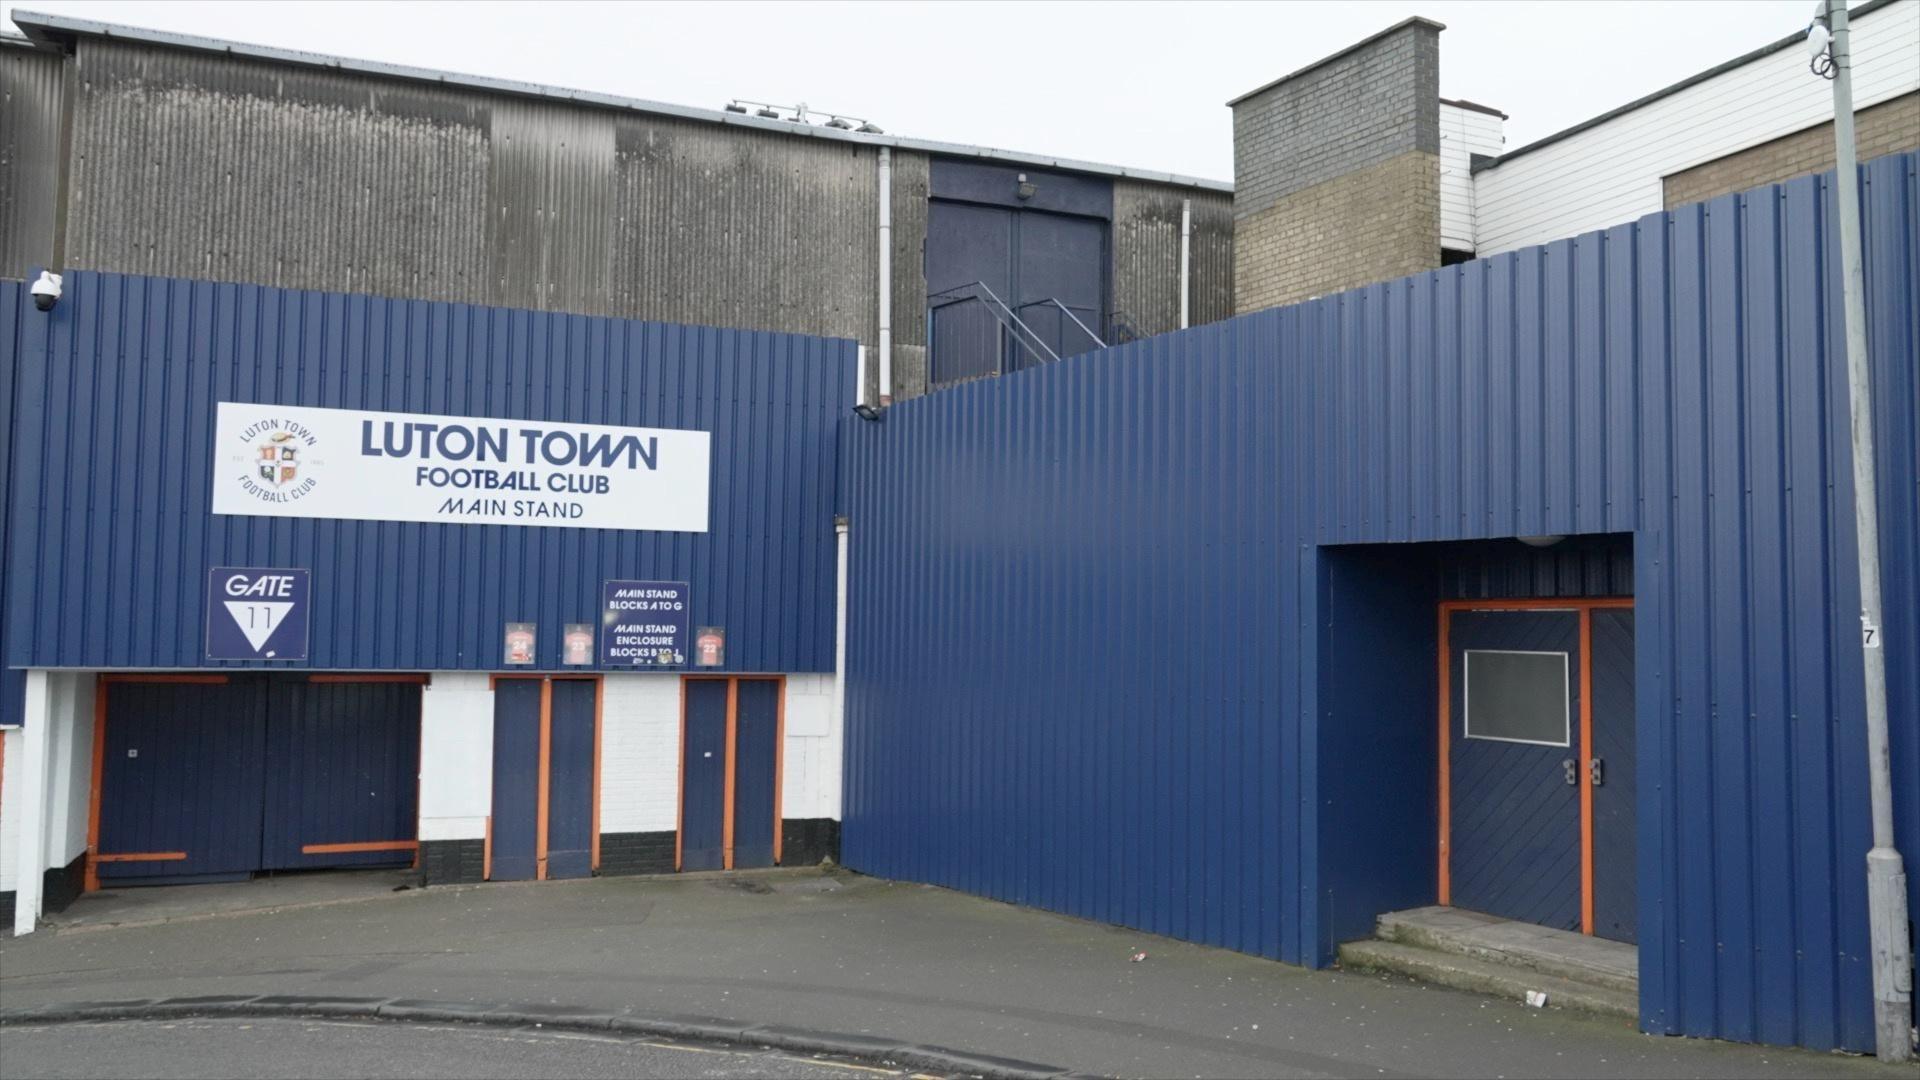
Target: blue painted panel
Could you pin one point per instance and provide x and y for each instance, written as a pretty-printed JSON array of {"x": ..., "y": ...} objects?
[
  {"x": 516, "y": 779},
  {"x": 570, "y": 779},
  {"x": 1616, "y": 893},
  {"x": 1125, "y": 548},
  {"x": 343, "y": 767},
  {"x": 703, "y": 777},
  {"x": 1515, "y": 843},
  {"x": 755, "y": 749},
  {"x": 104, "y": 564},
  {"x": 183, "y": 771}
]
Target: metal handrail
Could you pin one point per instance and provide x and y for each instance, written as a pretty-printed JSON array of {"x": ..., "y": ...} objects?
[
  {"x": 1095, "y": 338},
  {"x": 1010, "y": 321}
]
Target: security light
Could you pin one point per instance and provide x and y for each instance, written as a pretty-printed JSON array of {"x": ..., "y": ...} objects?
[
  {"x": 870, "y": 128},
  {"x": 867, "y": 412},
  {"x": 736, "y": 107},
  {"x": 836, "y": 122},
  {"x": 769, "y": 112}
]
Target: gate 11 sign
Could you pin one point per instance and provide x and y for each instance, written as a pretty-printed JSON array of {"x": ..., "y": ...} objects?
[
  {"x": 643, "y": 624},
  {"x": 257, "y": 613}
]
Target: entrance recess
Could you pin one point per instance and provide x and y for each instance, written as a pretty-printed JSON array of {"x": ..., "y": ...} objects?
[{"x": 1536, "y": 762}]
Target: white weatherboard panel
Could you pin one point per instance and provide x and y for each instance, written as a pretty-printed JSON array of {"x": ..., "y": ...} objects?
[
  {"x": 1611, "y": 173},
  {"x": 1463, "y": 133}
]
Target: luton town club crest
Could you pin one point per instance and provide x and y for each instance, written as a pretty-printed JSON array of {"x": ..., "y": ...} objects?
[
  {"x": 279, "y": 459},
  {"x": 278, "y": 463}
]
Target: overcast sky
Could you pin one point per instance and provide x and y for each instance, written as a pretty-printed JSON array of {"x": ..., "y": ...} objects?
[{"x": 1139, "y": 84}]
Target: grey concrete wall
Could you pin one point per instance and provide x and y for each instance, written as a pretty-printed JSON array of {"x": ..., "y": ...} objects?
[
  {"x": 1336, "y": 171},
  {"x": 205, "y": 165}
]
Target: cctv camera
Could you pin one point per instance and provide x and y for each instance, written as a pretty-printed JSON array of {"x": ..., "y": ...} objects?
[{"x": 46, "y": 290}]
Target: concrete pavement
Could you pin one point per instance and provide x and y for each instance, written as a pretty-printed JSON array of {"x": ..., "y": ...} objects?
[{"x": 842, "y": 953}]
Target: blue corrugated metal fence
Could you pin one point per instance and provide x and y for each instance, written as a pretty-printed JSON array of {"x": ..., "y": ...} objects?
[{"x": 1095, "y": 609}]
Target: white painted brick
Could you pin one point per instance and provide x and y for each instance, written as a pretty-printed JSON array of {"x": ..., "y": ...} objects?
[
  {"x": 456, "y": 756},
  {"x": 640, "y": 753},
  {"x": 11, "y": 755}
]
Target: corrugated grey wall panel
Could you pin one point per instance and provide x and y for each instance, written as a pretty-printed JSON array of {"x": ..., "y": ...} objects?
[
  {"x": 912, "y": 183},
  {"x": 32, "y": 94},
  {"x": 553, "y": 186},
  {"x": 1146, "y": 256},
  {"x": 212, "y": 167}
]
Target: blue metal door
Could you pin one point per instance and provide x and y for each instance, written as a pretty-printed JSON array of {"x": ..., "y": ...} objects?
[
  {"x": 182, "y": 773},
  {"x": 516, "y": 779},
  {"x": 1063, "y": 272},
  {"x": 969, "y": 268},
  {"x": 703, "y": 791},
  {"x": 1615, "y": 892},
  {"x": 344, "y": 762},
  {"x": 755, "y": 762},
  {"x": 570, "y": 794},
  {"x": 1513, "y": 769}
]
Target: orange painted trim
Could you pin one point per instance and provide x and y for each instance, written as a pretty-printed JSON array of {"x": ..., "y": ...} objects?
[
  {"x": 91, "y": 879},
  {"x": 1445, "y": 889},
  {"x": 733, "y": 730},
  {"x": 599, "y": 702},
  {"x": 546, "y": 763},
  {"x": 1585, "y": 607},
  {"x": 1534, "y": 604},
  {"x": 680, "y": 804},
  {"x": 371, "y": 845},
  {"x": 142, "y": 856},
  {"x": 779, "y": 758},
  {"x": 486, "y": 852},
  {"x": 139, "y": 677},
  {"x": 1586, "y": 771},
  {"x": 370, "y": 677}
]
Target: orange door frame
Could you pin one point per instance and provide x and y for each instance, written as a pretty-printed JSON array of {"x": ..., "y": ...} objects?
[
  {"x": 547, "y": 680},
  {"x": 1584, "y": 607},
  {"x": 779, "y": 762}
]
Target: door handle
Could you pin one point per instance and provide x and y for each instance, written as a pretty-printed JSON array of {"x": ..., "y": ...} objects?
[
  {"x": 1597, "y": 770},
  {"x": 1572, "y": 769}
]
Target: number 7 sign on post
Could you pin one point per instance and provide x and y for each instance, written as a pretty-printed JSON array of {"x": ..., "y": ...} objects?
[{"x": 257, "y": 613}]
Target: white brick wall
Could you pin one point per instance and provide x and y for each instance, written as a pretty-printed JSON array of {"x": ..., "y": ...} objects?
[
  {"x": 810, "y": 773},
  {"x": 640, "y": 753},
  {"x": 10, "y": 788},
  {"x": 456, "y": 756}
]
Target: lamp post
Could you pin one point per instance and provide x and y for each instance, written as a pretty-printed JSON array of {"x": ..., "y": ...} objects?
[{"x": 1886, "y": 876}]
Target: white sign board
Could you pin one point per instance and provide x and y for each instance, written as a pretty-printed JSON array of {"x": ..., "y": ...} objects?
[{"x": 288, "y": 461}]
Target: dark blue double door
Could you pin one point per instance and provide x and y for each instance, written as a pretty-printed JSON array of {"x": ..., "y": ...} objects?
[
  {"x": 730, "y": 773},
  {"x": 546, "y": 734},
  {"x": 216, "y": 777},
  {"x": 1539, "y": 803}
]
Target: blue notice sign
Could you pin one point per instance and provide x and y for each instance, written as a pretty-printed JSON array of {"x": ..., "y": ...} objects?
[
  {"x": 643, "y": 624},
  {"x": 257, "y": 613}
]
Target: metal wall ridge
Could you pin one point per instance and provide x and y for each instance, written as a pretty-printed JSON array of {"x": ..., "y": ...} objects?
[
  {"x": 109, "y": 532},
  {"x": 1098, "y": 656}
]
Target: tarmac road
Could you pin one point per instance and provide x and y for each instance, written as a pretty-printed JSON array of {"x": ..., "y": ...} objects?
[
  {"x": 897, "y": 964},
  {"x": 216, "y": 1048}
]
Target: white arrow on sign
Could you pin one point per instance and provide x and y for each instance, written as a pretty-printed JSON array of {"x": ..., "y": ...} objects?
[{"x": 258, "y": 619}]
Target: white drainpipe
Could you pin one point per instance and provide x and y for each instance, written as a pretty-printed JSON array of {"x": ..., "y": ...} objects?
[
  {"x": 886, "y": 276},
  {"x": 1186, "y": 244}
]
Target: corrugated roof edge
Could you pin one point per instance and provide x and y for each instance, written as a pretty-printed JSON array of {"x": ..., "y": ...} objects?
[
  {"x": 61, "y": 31},
  {"x": 1790, "y": 41}
]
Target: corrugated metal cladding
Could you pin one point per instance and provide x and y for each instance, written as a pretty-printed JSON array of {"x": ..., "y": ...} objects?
[
  {"x": 110, "y": 535},
  {"x": 32, "y": 98},
  {"x": 207, "y": 165},
  {"x": 1088, "y": 664},
  {"x": 1146, "y": 256}
]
